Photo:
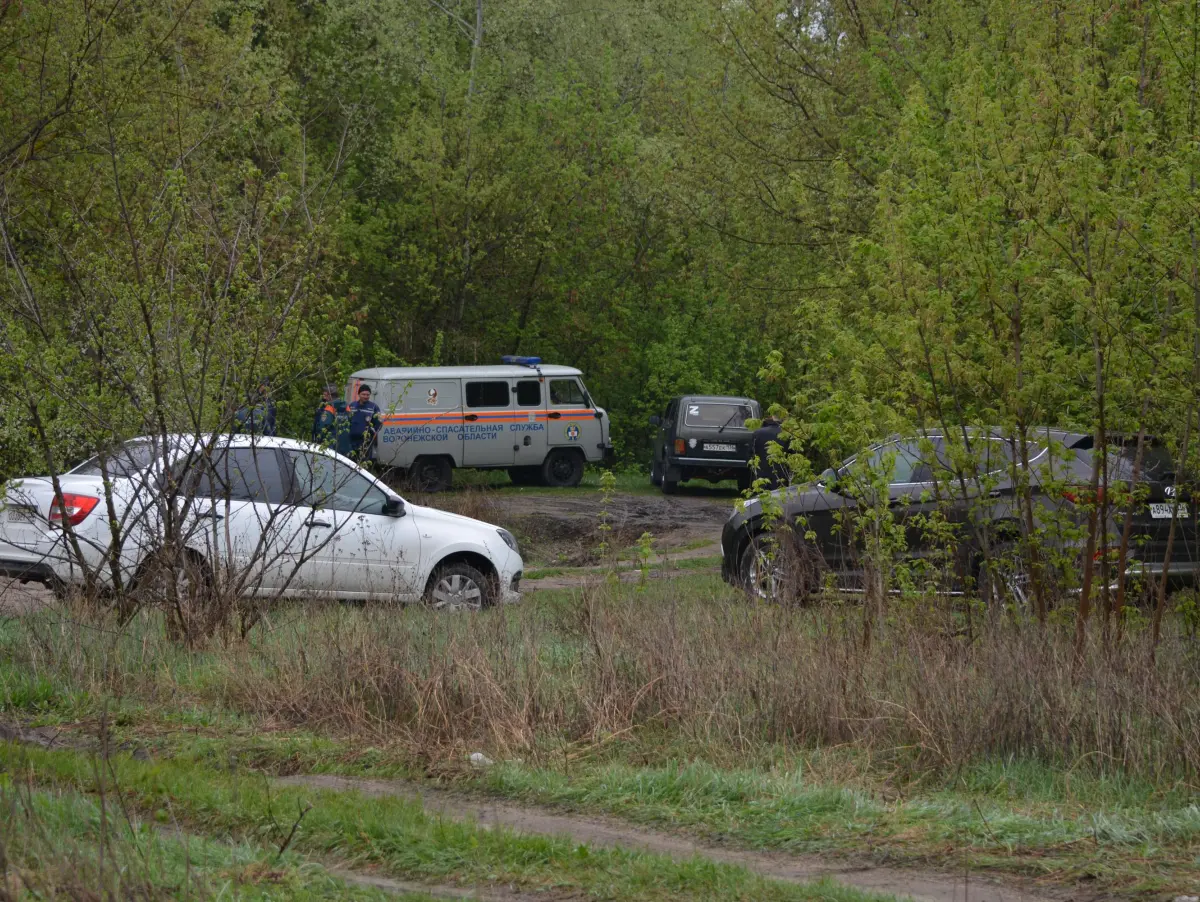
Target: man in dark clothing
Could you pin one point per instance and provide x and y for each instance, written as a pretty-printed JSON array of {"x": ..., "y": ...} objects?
[
  {"x": 775, "y": 474},
  {"x": 257, "y": 415},
  {"x": 366, "y": 419},
  {"x": 331, "y": 423}
]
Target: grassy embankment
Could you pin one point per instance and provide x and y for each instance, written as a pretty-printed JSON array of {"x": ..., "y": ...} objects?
[{"x": 676, "y": 705}]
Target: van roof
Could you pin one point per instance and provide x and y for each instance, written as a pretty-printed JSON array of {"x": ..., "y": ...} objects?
[{"x": 499, "y": 371}]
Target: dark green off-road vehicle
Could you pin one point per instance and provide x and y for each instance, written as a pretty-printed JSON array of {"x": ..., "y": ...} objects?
[{"x": 703, "y": 437}]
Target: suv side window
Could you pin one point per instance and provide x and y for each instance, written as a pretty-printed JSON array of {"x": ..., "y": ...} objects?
[
  {"x": 328, "y": 484},
  {"x": 488, "y": 394},
  {"x": 529, "y": 393},
  {"x": 671, "y": 409}
]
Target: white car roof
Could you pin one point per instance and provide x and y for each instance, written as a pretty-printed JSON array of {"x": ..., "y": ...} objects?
[{"x": 499, "y": 371}]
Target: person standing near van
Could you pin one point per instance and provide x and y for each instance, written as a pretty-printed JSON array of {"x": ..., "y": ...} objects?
[
  {"x": 366, "y": 419},
  {"x": 331, "y": 419}
]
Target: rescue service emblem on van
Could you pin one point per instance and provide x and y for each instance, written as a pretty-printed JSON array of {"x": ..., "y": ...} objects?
[
  {"x": 432, "y": 399},
  {"x": 572, "y": 433}
]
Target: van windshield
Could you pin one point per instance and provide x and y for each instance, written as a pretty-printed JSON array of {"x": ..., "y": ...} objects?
[{"x": 716, "y": 414}]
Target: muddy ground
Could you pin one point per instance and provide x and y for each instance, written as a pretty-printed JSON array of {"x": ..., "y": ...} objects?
[{"x": 563, "y": 529}]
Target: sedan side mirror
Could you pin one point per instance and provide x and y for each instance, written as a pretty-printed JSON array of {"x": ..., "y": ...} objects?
[
  {"x": 656, "y": 421},
  {"x": 393, "y": 507},
  {"x": 829, "y": 476}
]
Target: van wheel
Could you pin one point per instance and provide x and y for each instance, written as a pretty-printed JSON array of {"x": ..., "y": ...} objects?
[
  {"x": 431, "y": 474},
  {"x": 562, "y": 469}
]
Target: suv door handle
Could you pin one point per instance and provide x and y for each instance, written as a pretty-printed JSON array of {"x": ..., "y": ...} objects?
[
  {"x": 472, "y": 417},
  {"x": 554, "y": 415}
]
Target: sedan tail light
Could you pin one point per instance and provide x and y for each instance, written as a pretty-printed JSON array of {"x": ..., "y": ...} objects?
[
  {"x": 72, "y": 508},
  {"x": 1082, "y": 494}
]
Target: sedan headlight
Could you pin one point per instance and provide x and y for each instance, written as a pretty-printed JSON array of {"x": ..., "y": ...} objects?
[{"x": 509, "y": 539}]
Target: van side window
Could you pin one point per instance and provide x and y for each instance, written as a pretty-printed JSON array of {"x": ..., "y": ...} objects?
[
  {"x": 488, "y": 394},
  {"x": 529, "y": 393},
  {"x": 566, "y": 392}
]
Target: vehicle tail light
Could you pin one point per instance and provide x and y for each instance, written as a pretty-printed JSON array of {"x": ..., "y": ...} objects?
[
  {"x": 680, "y": 446},
  {"x": 72, "y": 508},
  {"x": 1082, "y": 494}
]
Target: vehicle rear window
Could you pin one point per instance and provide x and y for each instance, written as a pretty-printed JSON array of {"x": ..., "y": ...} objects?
[
  {"x": 716, "y": 415},
  {"x": 488, "y": 394},
  {"x": 128, "y": 460}
]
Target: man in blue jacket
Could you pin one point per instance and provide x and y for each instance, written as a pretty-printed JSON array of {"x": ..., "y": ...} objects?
[
  {"x": 331, "y": 422},
  {"x": 366, "y": 419}
]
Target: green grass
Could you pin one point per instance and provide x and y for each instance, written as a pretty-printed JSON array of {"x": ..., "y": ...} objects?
[
  {"x": 57, "y": 844},
  {"x": 398, "y": 837},
  {"x": 1064, "y": 821}
]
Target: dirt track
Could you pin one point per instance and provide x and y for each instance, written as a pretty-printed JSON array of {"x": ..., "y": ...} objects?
[
  {"x": 564, "y": 528},
  {"x": 924, "y": 886}
]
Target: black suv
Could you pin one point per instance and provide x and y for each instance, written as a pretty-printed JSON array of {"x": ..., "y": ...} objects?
[{"x": 703, "y": 437}]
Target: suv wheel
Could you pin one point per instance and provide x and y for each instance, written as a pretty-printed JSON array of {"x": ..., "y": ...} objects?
[
  {"x": 655, "y": 473},
  {"x": 669, "y": 486},
  {"x": 460, "y": 587},
  {"x": 431, "y": 474},
  {"x": 562, "y": 469}
]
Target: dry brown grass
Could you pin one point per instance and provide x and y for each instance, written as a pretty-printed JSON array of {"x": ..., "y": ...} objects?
[{"x": 670, "y": 670}]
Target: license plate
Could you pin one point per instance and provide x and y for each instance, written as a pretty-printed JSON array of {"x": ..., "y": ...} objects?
[
  {"x": 711, "y": 447},
  {"x": 20, "y": 515},
  {"x": 1163, "y": 511}
]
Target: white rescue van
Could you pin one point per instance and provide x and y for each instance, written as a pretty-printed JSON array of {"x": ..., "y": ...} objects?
[{"x": 535, "y": 420}]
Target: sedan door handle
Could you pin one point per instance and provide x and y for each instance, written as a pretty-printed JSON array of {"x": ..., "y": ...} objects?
[
  {"x": 317, "y": 524},
  {"x": 211, "y": 515},
  {"x": 554, "y": 415}
]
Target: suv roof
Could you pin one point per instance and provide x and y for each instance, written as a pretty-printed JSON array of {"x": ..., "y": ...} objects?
[{"x": 716, "y": 398}]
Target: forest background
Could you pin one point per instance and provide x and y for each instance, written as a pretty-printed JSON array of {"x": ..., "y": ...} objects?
[{"x": 877, "y": 214}]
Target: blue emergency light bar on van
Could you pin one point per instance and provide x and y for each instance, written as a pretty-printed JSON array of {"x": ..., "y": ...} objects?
[{"x": 513, "y": 360}]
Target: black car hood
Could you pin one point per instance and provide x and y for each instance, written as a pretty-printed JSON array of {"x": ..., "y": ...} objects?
[{"x": 791, "y": 502}]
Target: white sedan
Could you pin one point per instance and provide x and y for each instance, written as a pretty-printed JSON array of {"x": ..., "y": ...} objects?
[{"x": 268, "y": 517}]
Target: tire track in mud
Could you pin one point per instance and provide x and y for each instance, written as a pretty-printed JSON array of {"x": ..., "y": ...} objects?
[{"x": 921, "y": 886}]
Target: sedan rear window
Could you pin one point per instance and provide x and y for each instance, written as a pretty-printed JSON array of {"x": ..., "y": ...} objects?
[
  {"x": 128, "y": 460},
  {"x": 731, "y": 416}
]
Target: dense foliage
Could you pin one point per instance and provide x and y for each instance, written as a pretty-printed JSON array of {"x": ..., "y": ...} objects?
[{"x": 922, "y": 212}]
